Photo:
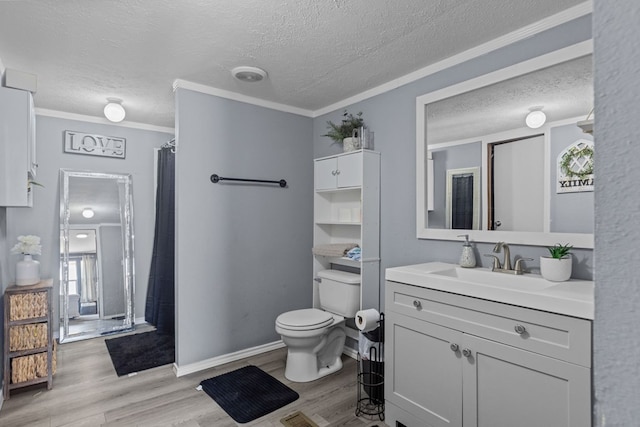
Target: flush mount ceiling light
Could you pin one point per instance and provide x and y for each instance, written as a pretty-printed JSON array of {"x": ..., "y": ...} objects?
[
  {"x": 249, "y": 74},
  {"x": 82, "y": 235},
  {"x": 114, "y": 111},
  {"x": 88, "y": 213},
  {"x": 535, "y": 119}
]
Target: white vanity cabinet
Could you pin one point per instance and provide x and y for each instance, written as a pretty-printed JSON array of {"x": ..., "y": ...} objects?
[
  {"x": 346, "y": 208},
  {"x": 17, "y": 147},
  {"x": 454, "y": 360}
]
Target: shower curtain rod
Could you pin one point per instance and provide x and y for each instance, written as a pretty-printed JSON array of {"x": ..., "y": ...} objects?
[{"x": 215, "y": 178}]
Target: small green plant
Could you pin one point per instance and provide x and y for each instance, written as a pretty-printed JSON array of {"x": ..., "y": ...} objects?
[
  {"x": 338, "y": 132},
  {"x": 559, "y": 251}
]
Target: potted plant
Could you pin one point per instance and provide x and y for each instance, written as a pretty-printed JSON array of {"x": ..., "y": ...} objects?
[
  {"x": 557, "y": 266},
  {"x": 343, "y": 132},
  {"x": 27, "y": 269}
]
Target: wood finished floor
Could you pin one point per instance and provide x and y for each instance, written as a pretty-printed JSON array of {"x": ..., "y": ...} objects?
[{"x": 87, "y": 392}]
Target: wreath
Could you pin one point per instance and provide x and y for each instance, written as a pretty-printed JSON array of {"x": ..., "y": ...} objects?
[{"x": 573, "y": 154}]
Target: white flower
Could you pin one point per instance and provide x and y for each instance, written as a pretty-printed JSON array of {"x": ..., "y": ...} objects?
[{"x": 27, "y": 245}]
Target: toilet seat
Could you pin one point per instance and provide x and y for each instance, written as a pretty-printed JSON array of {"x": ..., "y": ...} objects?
[{"x": 305, "y": 319}]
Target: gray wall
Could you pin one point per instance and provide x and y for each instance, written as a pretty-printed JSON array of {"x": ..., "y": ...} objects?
[
  {"x": 43, "y": 218},
  {"x": 243, "y": 252},
  {"x": 455, "y": 157},
  {"x": 570, "y": 212},
  {"x": 391, "y": 116},
  {"x": 617, "y": 213},
  {"x": 4, "y": 277}
]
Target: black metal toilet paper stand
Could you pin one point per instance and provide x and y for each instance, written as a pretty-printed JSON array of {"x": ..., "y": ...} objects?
[{"x": 370, "y": 381}]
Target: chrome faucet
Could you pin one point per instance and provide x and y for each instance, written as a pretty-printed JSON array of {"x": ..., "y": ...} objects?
[{"x": 506, "y": 264}]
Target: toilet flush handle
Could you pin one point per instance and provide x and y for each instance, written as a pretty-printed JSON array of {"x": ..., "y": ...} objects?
[{"x": 318, "y": 279}]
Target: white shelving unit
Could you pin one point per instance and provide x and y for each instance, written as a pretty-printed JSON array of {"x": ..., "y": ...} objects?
[{"x": 346, "y": 210}]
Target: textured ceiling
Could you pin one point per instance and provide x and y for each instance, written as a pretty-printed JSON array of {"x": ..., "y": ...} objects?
[
  {"x": 562, "y": 91},
  {"x": 317, "y": 52}
]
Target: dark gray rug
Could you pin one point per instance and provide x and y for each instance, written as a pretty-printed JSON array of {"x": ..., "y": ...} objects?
[
  {"x": 137, "y": 352},
  {"x": 248, "y": 393}
]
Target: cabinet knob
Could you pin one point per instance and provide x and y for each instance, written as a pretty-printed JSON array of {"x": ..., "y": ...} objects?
[
  {"x": 417, "y": 304},
  {"x": 337, "y": 171},
  {"x": 454, "y": 347},
  {"x": 520, "y": 329},
  {"x": 333, "y": 173},
  {"x": 466, "y": 352}
]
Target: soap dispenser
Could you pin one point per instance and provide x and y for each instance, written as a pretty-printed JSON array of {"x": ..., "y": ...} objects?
[{"x": 468, "y": 258}]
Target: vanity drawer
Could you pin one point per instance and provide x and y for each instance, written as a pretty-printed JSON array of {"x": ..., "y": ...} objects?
[{"x": 561, "y": 337}]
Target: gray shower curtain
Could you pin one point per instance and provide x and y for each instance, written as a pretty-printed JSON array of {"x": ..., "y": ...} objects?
[{"x": 160, "y": 303}]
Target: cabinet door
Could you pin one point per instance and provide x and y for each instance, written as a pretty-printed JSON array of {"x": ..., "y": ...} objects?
[
  {"x": 14, "y": 145},
  {"x": 325, "y": 172},
  {"x": 425, "y": 375},
  {"x": 505, "y": 386},
  {"x": 350, "y": 170},
  {"x": 32, "y": 164}
]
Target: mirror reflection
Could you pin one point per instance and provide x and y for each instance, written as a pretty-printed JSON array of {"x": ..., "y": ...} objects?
[
  {"x": 485, "y": 128},
  {"x": 96, "y": 254}
]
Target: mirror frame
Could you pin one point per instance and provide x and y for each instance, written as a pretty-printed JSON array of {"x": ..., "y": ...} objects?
[
  {"x": 128, "y": 270},
  {"x": 578, "y": 240}
]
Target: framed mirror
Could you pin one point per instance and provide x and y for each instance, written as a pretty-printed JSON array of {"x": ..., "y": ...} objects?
[
  {"x": 96, "y": 254},
  {"x": 479, "y": 125}
]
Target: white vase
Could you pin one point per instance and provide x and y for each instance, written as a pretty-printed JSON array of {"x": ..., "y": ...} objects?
[
  {"x": 350, "y": 144},
  {"x": 27, "y": 271},
  {"x": 556, "y": 270}
]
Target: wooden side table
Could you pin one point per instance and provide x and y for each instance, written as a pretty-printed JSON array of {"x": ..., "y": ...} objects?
[{"x": 28, "y": 338}]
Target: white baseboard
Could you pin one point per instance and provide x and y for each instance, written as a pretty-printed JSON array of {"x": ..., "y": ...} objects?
[
  {"x": 225, "y": 358},
  {"x": 348, "y": 351},
  {"x": 139, "y": 321}
]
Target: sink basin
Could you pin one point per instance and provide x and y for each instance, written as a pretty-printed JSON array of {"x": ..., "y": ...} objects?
[
  {"x": 571, "y": 298},
  {"x": 484, "y": 277}
]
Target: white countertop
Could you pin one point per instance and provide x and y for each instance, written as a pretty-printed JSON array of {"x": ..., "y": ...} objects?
[{"x": 570, "y": 298}]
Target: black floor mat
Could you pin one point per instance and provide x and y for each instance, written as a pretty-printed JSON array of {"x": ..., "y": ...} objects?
[
  {"x": 137, "y": 352},
  {"x": 248, "y": 393}
]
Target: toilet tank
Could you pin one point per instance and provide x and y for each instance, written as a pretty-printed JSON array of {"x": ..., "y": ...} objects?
[{"x": 339, "y": 292}]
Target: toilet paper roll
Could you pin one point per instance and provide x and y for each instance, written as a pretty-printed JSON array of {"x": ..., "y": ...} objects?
[{"x": 367, "y": 320}]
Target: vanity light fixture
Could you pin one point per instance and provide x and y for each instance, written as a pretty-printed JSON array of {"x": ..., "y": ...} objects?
[
  {"x": 82, "y": 235},
  {"x": 88, "y": 213},
  {"x": 114, "y": 111},
  {"x": 249, "y": 74},
  {"x": 535, "y": 119}
]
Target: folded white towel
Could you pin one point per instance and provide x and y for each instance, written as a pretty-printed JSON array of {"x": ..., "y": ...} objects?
[{"x": 333, "y": 249}]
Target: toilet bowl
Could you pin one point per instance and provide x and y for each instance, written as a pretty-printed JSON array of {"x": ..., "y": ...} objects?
[
  {"x": 315, "y": 337},
  {"x": 314, "y": 346}
]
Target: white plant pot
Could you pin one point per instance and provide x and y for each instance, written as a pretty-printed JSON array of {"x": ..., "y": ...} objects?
[
  {"x": 350, "y": 144},
  {"x": 556, "y": 270},
  {"x": 27, "y": 271}
]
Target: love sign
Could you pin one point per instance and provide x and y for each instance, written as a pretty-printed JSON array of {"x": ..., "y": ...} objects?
[{"x": 94, "y": 145}]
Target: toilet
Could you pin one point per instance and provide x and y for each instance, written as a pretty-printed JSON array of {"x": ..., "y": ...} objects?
[{"x": 315, "y": 337}]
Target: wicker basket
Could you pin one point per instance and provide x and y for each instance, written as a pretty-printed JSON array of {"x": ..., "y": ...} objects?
[
  {"x": 28, "y": 305},
  {"x": 28, "y": 337},
  {"x": 27, "y": 368}
]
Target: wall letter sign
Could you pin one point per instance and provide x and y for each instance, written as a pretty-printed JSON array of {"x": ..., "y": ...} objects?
[{"x": 94, "y": 145}]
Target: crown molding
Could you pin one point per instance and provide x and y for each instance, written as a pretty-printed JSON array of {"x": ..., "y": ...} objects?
[
  {"x": 197, "y": 87},
  {"x": 525, "y": 32},
  {"x": 102, "y": 121}
]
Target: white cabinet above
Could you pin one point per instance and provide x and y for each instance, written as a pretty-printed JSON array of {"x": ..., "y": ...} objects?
[
  {"x": 340, "y": 171},
  {"x": 17, "y": 147}
]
